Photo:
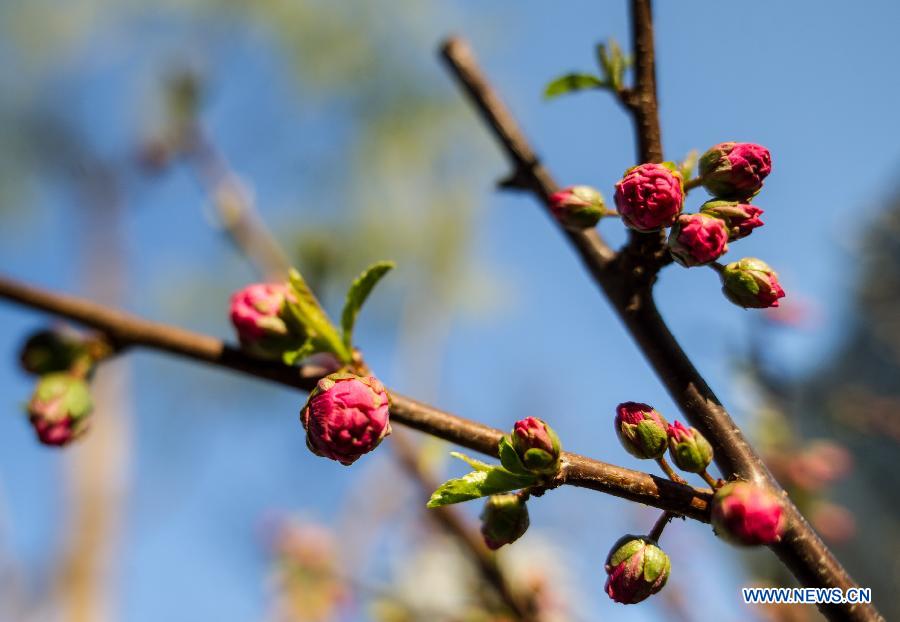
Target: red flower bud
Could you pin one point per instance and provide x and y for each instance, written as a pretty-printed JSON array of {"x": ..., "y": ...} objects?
[
  {"x": 641, "y": 430},
  {"x": 264, "y": 325},
  {"x": 697, "y": 239},
  {"x": 59, "y": 409},
  {"x": 637, "y": 568},
  {"x": 579, "y": 207},
  {"x": 751, "y": 283},
  {"x": 747, "y": 514},
  {"x": 346, "y": 416},
  {"x": 735, "y": 170},
  {"x": 537, "y": 445},
  {"x": 689, "y": 449},
  {"x": 649, "y": 197},
  {"x": 503, "y": 520},
  {"x": 740, "y": 218}
]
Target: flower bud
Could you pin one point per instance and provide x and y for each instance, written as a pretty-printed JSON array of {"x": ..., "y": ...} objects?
[
  {"x": 346, "y": 416},
  {"x": 690, "y": 451},
  {"x": 537, "y": 445},
  {"x": 503, "y": 520},
  {"x": 579, "y": 207},
  {"x": 649, "y": 197},
  {"x": 740, "y": 218},
  {"x": 735, "y": 170},
  {"x": 641, "y": 430},
  {"x": 637, "y": 568},
  {"x": 59, "y": 408},
  {"x": 264, "y": 325},
  {"x": 751, "y": 283},
  {"x": 747, "y": 514},
  {"x": 697, "y": 239},
  {"x": 48, "y": 351}
]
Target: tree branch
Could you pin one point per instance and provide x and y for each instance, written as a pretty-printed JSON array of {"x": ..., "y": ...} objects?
[
  {"x": 626, "y": 279},
  {"x": 125, "y": 330}
]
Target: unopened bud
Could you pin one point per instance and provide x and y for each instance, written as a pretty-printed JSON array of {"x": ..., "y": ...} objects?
[
  {"x": 59, "y": 409},
  {"x": 503, "y": 520},
  {"x": 641, "y": 430},
  {"x": 537, "y": 445},
  {"x": 637, "y": 568},
  {"x": 689, "y": 449}
]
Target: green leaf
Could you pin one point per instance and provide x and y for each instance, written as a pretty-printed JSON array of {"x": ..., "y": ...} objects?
[
  {"x": 572, "y": 82},
  {"x": 686, "y": 168},
  {"x": 509, "y": 458},
  {"x": 358, "y": 293},
  {"x": 479, "y": 483},
  {"x": 478, "y": 465},
  {"x": 312, "y": 316},
  {"x": 613, "y": 62}
]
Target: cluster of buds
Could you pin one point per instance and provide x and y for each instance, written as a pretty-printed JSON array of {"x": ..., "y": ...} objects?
[
  {"x": 264, "y": 324},
  {"x": 346, "y": 416},
  {"x": 747, "y": 514},
  {"x": 636, "y": 568},
  {"x": 60, "y": 407},
  {"x": 578, "y": 207},
  {"x": 650, "y": 197},
  {"x": 504, "y": 519}
]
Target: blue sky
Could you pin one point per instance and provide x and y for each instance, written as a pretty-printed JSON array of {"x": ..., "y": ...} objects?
[{"x": 214, "y": 453}]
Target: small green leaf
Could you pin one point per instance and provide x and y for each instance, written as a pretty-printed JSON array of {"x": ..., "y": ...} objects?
[
  {"x": 686, "y": 168},
  {"x": 573, "y": 82},
  {"x": 478, "y": 465},
  {"x": 479, "y": 483},
  {"x": 358, "y": 293},
  {"x": 312, "y": 316},
  {"x": 613, "y": 62},
  {"x": 509, "y": 458}
]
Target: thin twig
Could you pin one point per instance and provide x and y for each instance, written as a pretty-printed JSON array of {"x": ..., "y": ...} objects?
[
  {"x": 626, "y": 279},
  {"x": 126, "y": 330}
]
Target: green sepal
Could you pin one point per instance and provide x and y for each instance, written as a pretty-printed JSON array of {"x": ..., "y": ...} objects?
[
  {"x": 572, "y": 82},
  {"x": 509, "y": 458},
  {"x": 306, "y": 308},
  {"x": 686, "y": 168},
  {"x": 357, "y": 294}
]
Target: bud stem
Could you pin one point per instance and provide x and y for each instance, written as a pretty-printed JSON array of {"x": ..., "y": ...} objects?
[
  {"x": 669, "y": 471},
  {"x": 692, "y": 183},
  {"x": 660, "y": 524},
  {"x": 717, "y": 266},
  {"x": 709, "y": 479}
]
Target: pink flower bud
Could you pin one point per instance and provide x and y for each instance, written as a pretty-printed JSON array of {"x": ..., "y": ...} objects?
[
  {"x": 637, "y": 568},
  {"x": 59, "y": 409},
  {"x": 735, "y": 170},
  {"x": 537, "y": 445},
  {"x": 503, "y": 520},
  {"x": 264, "y": 326},
  {"x": 751, "y": 283},
  {"x": 740, "y": 218},
  {"x": 747, "y": 514},
  {"x": 641, "y": 430},
  {"x": 579, "y": 207},
  {"x": 649, "y": 197},
  {"x": 697, "y": 239},
  {"x": 689, "y": 449},
  {"x": 346, "y": 416}
]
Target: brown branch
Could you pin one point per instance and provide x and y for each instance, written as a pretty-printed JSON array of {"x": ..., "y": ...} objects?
[
  {"x": 125, "y": 330},
  {"x": 626, "y": 279}
]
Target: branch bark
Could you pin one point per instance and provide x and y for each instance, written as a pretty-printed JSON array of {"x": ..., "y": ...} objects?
[
  {"x": 627, "y": 278},
  {"x": 125, "y": 330}
]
